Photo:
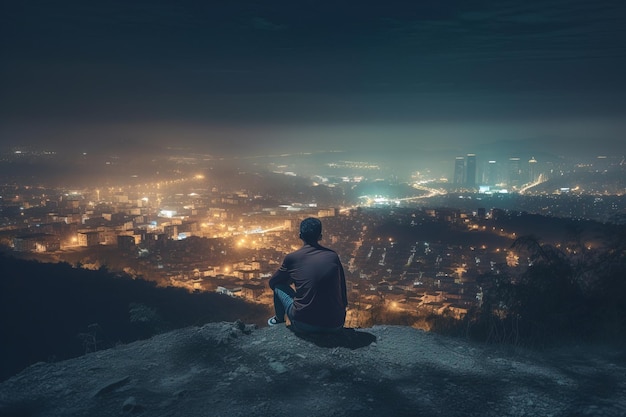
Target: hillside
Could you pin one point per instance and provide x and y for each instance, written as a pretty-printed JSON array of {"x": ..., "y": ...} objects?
[
  {"x": 50, "y": 312},
  {"x": 232, "y": 369}
]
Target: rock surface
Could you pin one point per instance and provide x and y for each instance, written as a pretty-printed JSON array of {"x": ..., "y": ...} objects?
[{"x": 230, "y": 369}]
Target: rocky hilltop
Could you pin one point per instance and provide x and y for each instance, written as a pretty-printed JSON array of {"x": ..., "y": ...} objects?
[{"x": 233, "y": 369}]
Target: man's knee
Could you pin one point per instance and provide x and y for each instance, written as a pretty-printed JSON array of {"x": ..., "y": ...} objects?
[{"x": 286, "y": 289}]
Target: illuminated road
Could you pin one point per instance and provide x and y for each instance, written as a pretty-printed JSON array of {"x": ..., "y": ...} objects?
[
  {"x": 369, "y": 200},
  {"x": 432, "y": 192},
  {"x": 258, "y": 230},
  {"x": 540, "y": 180}
]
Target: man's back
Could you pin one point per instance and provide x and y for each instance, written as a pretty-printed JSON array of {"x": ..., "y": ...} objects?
[{"x": 320, "y": 285}]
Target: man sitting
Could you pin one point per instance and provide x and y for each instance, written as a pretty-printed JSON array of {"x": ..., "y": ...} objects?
[{"x": 318, "y": 302}]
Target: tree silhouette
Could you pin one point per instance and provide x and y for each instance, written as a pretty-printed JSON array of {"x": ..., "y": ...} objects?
[
  {"x": 574, "y": 295},
  {"x": 57, "y": 310}
]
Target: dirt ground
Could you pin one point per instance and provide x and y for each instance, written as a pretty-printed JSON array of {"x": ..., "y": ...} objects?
[{"x": 230, "y": 369}]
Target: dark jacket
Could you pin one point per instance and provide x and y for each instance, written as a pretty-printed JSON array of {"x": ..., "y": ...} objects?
[{"x": 320, "y": 285}]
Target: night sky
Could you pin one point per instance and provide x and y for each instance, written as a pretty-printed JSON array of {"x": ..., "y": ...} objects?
[{"x": 283, "y": 76}]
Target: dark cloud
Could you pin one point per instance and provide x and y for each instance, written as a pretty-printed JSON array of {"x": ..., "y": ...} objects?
[
  {"x": 309, "y": 62},
  {"x": 264, "y": 24}
]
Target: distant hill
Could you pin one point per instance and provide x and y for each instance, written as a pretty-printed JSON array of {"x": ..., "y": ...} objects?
[
  {"x": 601, "y": 183},
  {"x": 545, "y": 148}
]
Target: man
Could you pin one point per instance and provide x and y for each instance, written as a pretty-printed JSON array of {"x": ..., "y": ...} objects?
[{"x": 319, "y": 301}]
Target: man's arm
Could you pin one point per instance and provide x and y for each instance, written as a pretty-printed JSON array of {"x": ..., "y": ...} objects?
[
  {"x": 281, "y": 276},
  {"x": 344, "y": 295}
]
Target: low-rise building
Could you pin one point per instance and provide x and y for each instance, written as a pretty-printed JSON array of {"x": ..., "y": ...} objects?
[{"x": 36, "y": 242}]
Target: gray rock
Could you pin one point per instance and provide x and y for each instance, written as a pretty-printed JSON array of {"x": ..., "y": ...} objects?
[{"x": 225, "y": 369}]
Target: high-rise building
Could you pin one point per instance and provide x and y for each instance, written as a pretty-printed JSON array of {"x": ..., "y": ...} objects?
[
  {"x": 470, "y": 170},
  {"x": 459, "y": 171},
  {"x": 491, "y": 173},
  {"x": 532, "y": 170},
  {"x": 515, "y": 172}
]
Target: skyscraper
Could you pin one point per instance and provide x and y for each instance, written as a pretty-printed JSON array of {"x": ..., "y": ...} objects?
[
  {"x": 532, "y": 170},
  {"x": 491, "y": 173},
  {"x": 515, "y": 172},
  {"x": 459, "y": 170},
  {"x": 470, "y": 170}
]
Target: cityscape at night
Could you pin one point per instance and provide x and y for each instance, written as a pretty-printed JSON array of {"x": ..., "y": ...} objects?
[
  {"x": 466, "y": 160},
  {"x": 413, "y": 241}
]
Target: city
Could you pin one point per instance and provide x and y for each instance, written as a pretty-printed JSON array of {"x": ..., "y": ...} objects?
[{"x": 414, "y": 244}]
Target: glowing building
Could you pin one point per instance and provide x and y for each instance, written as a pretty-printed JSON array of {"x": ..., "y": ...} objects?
[
  {"x": 491, "y": 173},
  {"x": 515, "y": 172},
  {"x": 470, "y": 170},
  {"x": 532, "y": 170},
  {"x": 459, "y": 171}
]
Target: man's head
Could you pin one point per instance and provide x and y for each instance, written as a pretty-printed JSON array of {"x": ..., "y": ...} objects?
[{"x": 311, "y": 230}]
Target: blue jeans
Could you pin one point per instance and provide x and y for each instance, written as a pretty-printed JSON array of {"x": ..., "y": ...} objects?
[{"x": 283, "y": 300}]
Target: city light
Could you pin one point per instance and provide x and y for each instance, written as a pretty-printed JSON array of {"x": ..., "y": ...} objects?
[{"x": 176, "y": 231}]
